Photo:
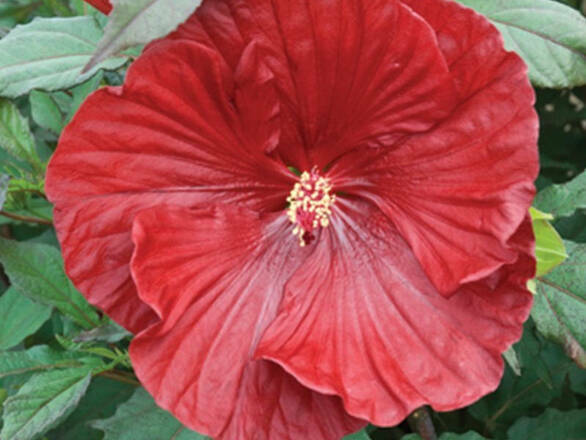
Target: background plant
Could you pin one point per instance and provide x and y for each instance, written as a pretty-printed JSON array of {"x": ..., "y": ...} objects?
[{"x": 64, "y": 367}]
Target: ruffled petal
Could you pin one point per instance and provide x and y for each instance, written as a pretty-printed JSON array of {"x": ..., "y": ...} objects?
[
  {"x": 257, "y": 101},
  {"x": 341, "y": 85},
  {"x": 469, "y": 176},
  {"x": 459, "y": 191},
  {"x": 361, "y": 320},
  {"x": 216, "y": 277},
  {"x": 169, "y": 136},
  {"x": 470, "y": 44}
]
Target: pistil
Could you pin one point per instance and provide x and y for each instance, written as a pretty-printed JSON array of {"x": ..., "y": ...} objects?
[{"x": 310, "y": 205}]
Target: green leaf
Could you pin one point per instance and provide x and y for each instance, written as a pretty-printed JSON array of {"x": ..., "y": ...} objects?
[
  {"x": 544, "y": 371},
  {"x": 38, "y": 208},
  {"x": 42, "y": 402},
  {"x": 134, "y": 22},
  {"x": 560, "y": 304},
  {"x": 551, "y": 424},
  {"x": 36, "y": 270},
  {"x": 563, "y": 200},
  {"x": 573, "y": 227},
  {"x": 82, "y": 7},
  {"x": 4, "y": 180},
  {"x": 360, "y": 435},
  {"x": 155, "y": 423},
  {"x": 449, "y": 436},
  {"x": 471, "y": 435},
  {"x": 549, "y": 36},
  {"x": 57, "y": 7},
  {"x": 578, "y": 381},
  {"x": 49, "y": 53},
  {"x": 16, "y": 138},
  {"x": 536, "y": 214},
  {"x": 512, "y": 360},
  {"x": 110, "y": 333},
  {"x": 100, "y": 401},
  {"x": 45, "y": 111},
  {"x": 82, "y": 91},
  {"x": 41, "y": 358},
  {"x": 19, "y": 318},
  {"x": 549, "y": 247}
]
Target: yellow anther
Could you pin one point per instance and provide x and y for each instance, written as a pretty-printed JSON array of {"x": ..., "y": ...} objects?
[{"x": 309, "y": 205}]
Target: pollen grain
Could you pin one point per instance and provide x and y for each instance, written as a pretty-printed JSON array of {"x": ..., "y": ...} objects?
[{"x": 310, "y": 203}]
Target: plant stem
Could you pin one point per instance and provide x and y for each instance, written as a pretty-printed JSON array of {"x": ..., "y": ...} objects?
[
  {"x": 120, "y": 376},
  {"x": 4, "y": 232},
  {"x": 29, "y": 190},
  {"x": 22, "y": 218},
  {"x": 420, "y": 422}
]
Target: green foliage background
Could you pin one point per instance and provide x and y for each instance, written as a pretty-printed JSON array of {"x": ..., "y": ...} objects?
[{"x": 64, "y": 367}]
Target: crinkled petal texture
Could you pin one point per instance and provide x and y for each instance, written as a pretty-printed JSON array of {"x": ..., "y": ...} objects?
[
  {"x": 459, "y": 191},
  {"x": 216, "y": 289},
  {"x": 360, "y": 319},
  {"x": 341, "y": 85},
  {"x": 423, "y": 124},
  {"x": 437, "y": 109},
  {"x": 170, "y": 136}
]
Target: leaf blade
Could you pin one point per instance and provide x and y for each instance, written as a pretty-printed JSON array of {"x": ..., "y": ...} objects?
[
  {"x": 4, "y": 180},
  {"x": 49, "y": 53},
  {"x": 36, "y": 270},
  {"x": 16, "y": 138},
  {"x": 134, "y": 22},
  {"x": 360, "y": 435},
  {"x": 42, "y": 402},
  {"x": 101, "y": 400},
  {"x": 471, "y": 435},
  {"x": 157, "y": 424},
  {"x": 564, "y": 199},
  {"x": 40, "y": 358},
  {"x": 560, "y": 304},
  {"x": 549, "y": 246},
  {"x": 45, "y": 111},
  {"x": 19, "y": 318},
  {"x": 562, "y": 425},
  {"x": 549, "y": 36}
]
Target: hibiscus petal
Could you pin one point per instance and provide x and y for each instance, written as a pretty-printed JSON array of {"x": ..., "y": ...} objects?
[
  {"x": 101, "y": 5},
  {"x": 361, "y": 320},
  {"x": 215, "y": 277},
  {"x": 169, "y": 136},
  {"x": 493, "y": 128},
  {"x": 460, "y": 190},
  {"x": 257, "y": 101},
  {"x": 342, "y": 86},
  {"x": 471, "y": 45}
]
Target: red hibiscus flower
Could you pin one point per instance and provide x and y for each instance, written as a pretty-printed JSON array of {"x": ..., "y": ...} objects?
[{"x": 388, "y": 273}]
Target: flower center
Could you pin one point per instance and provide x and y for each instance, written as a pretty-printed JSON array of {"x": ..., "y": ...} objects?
[{"x": 309, "y": 205}]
